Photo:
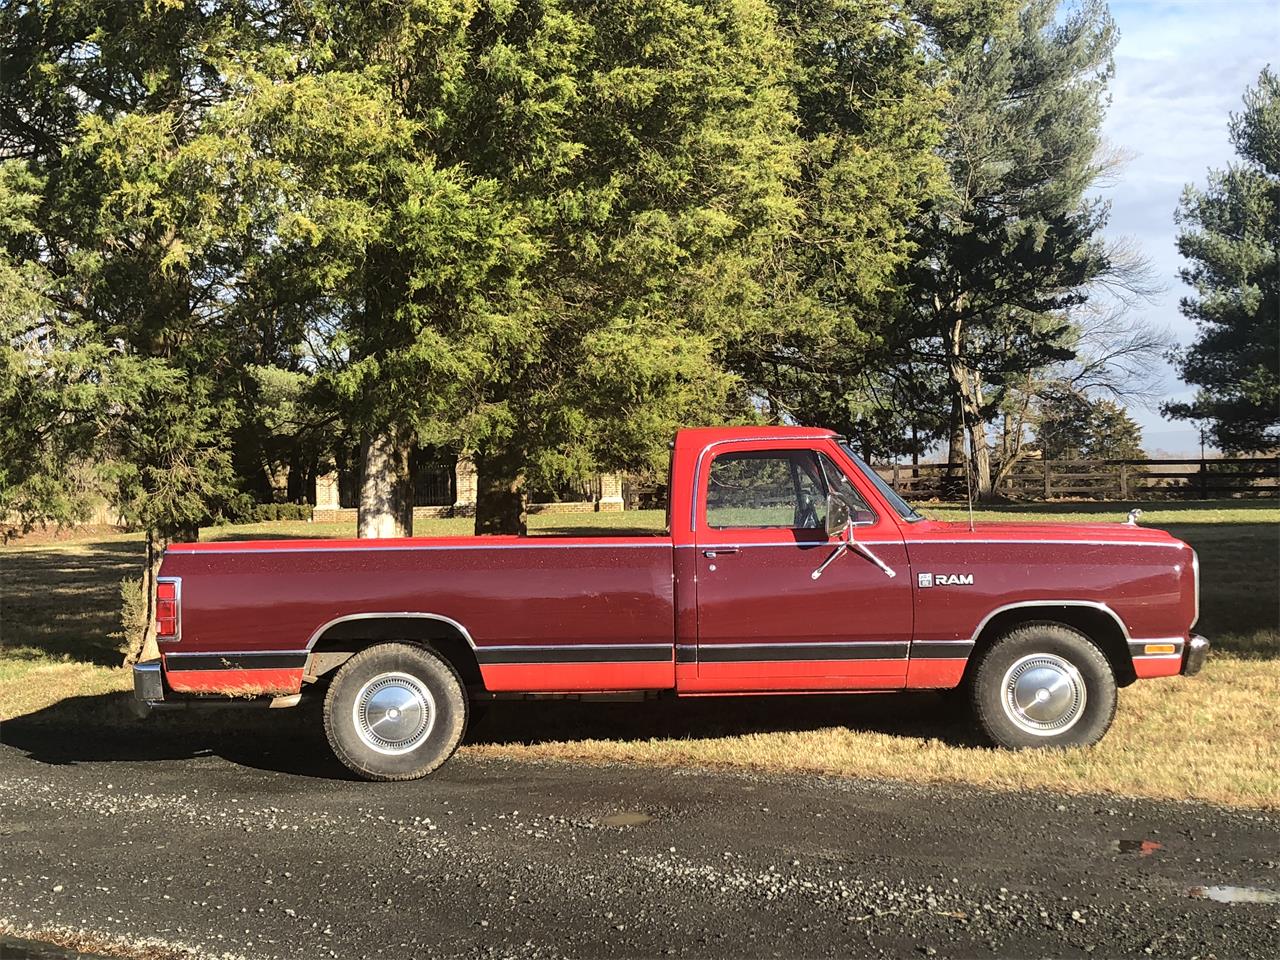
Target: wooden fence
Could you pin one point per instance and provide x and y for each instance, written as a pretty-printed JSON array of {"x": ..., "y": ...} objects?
[{"x": 1099, "y": 479}]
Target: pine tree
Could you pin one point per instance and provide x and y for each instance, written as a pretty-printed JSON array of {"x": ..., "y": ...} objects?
[
  {"x": 1014, "y": 244},
  {"x": 1231, "y": 238},
  {"x": 55, "y": 376},
  {"x": 104, "y": 102},
  {"x": 519, "y": 230},
  {"x": 869, "y": 98},
  {"x": 1073, "y": 426}
]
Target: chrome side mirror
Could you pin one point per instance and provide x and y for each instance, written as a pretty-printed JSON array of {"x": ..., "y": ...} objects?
[
  {"x": 840, "y": 524},
  {"x": 838, "y": 517}
]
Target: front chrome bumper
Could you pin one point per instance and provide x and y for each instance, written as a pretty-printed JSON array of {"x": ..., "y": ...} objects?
[
  {"x": 148, "y": 682},
  {"x": 1194, "y": 655}
]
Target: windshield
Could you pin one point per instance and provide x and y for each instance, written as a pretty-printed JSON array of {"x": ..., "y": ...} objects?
[{"x": 900, "y": 506}]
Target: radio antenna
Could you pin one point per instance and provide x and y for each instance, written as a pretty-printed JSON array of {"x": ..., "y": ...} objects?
[{"x": 964, "y": 452}]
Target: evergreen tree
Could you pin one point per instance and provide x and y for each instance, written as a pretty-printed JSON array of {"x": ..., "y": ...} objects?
[
  {"x": 55, "y": 376},
  {"x": 1231, "y": 238},
  {"x": 870, "y": 98},
  {"x": 1013, "y": 245},
  {"x": 1072, "y": 426},
  {"x": 105, "y": 103},
  {"x": 519, "y": 230}
]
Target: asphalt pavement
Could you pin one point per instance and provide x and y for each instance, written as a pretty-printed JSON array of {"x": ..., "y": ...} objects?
[{"x": 252, "y": 842}]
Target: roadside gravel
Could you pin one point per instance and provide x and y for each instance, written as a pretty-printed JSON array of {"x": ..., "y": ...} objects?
[{"x": 248, "y": 844}]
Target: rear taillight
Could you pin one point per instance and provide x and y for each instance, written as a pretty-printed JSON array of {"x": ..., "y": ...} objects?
[{"x": 168, "y": 608}]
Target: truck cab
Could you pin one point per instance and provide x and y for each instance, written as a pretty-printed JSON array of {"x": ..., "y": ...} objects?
[{"x": 775, "y": 602}]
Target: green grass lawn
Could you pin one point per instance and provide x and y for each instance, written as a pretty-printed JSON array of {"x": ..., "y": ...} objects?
[{"x": 1214, "y": 737}]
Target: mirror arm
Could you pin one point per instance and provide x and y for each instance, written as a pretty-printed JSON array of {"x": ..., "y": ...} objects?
[
  {"x": 847, "y": 542},
  {"x": 830, "y": 560},
  {"x": 866, "y": 552}
]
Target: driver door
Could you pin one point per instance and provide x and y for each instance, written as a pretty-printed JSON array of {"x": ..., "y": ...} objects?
[{"x": 764, "y": 622}]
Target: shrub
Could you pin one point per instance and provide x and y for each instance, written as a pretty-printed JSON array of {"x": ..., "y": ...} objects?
[
  {"x": 133, "y": 615},
  {"x": 265, "y": 512},
  {"x": 244, "y": 510}
]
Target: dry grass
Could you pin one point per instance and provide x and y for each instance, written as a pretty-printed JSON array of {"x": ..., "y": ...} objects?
[
  {"x": 1214, "y": 737},
  {"x": 31, "y": 684},
  {"x": 77, "y": 942}
]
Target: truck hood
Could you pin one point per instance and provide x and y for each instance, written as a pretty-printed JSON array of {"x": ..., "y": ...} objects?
[{"x": 1116, "y": 532}]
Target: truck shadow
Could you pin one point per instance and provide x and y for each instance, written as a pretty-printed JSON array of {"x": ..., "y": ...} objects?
[
  {"x": 925, "y": 716},
  {"x": 103, "y": 729}
]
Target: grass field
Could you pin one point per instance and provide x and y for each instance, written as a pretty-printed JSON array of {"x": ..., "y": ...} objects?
[{"x": 1214, "y": 737}]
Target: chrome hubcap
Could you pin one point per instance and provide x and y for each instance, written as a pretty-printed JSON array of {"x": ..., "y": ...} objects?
[
  {"x": 1044, "y": 694},
  {"x": 393, "y": 713}
]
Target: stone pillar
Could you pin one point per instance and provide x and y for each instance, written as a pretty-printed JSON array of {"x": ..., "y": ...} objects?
[
  {"x": 464, "y": 477},
  {"x": 610, "y": 493},
  {"x": 327, "y": 492}
]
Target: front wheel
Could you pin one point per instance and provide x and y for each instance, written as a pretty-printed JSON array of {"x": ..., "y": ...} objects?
[
  {"x": 1043, "y": 685},
  {"x": 395, "y": 712}
]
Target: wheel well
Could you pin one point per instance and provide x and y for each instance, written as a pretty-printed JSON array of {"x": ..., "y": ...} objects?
[
  {"x": 347, "y": 637},
  {"x": 1098, "y": 625}
]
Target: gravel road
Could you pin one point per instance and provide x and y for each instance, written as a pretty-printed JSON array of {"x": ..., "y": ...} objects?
[{"x": 253, "y": 844}]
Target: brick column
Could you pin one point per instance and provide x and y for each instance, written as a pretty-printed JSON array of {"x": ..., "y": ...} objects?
[
  {"x": 610, "y": 493},
  {"x": 464, "y": 477},
  {"x": 327, "y": 492}
]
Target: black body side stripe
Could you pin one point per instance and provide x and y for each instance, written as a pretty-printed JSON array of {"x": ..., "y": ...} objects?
[
  {"x": 616, "y": 653},
  {"x": 756, "y": 652},
  {"x": 236, "y": 661},
  {"x": 924, "y": 650},
  {"x": 604, "y": 653}
]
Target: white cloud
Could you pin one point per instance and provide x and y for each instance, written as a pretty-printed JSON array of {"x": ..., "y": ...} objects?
[{"x": 1181, "y": 68}]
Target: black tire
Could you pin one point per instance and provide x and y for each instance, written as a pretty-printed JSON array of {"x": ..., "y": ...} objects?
[
  {"x": 1043, "y": 685},
  {"x": 418, "y": 700}
]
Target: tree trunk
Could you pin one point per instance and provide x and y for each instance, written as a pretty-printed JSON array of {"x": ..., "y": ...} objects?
[
  {"x": 967, "y": 398},
  {"x": 300, "y": 476},
  {"x": 956, "y": 440},
  {"x": 955, "y": 366},
  {"x": 143, "y": 646},
  {"x": 978, "y": 438},
  {"x": 1014, "y": 443},
  {"x": 500, "y": 495},
  {"x": 981, "y": 462},
  {"x": 386, "y": 485}
]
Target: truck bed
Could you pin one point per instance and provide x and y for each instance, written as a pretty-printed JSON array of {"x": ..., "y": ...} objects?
[{"x": 542, "y": 613}]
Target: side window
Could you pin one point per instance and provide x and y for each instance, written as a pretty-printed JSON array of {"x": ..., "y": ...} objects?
[
  {"x": 859, "y": 511},
  {"x": 767, "y": 488}
]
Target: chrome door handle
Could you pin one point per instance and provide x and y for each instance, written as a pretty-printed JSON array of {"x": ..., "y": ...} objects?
[{"x": 712, "y": 554}]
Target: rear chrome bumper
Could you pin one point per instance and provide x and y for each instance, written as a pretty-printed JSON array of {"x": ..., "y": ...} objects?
[
  {"x": 148, "y": 682},
  {"x": 1194, "y": 655}
]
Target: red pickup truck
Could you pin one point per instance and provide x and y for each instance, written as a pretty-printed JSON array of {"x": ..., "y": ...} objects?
[{"x": 788, "y": 566}]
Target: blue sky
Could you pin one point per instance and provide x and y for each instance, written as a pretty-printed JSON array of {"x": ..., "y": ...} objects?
[{"x": 1181, "y": 68}]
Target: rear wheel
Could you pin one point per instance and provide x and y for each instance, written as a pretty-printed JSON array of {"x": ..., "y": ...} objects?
[
  {"x": 1043, "y": 685},
  {"x": 395, "y": 712}
]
